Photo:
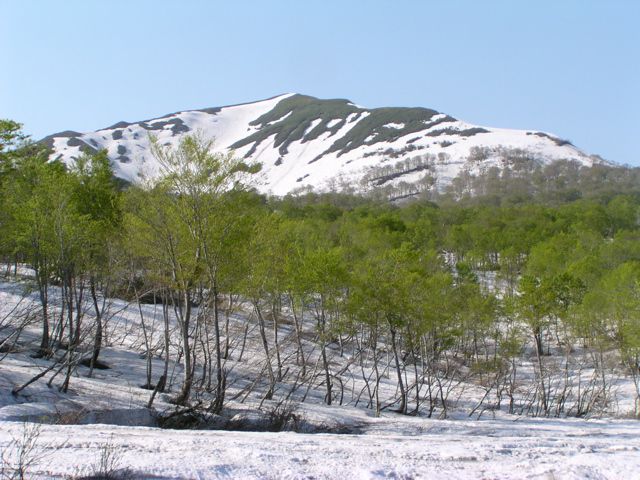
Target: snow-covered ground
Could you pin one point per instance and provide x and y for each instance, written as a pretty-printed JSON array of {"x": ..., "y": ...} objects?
[
  {"x": 392, "y": 448},
  {"x": 311, "y": 163},
  {"x": 106, "y": 413}
]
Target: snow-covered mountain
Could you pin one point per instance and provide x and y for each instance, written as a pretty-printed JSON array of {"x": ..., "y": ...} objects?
[{"x": 306, "y": 142}]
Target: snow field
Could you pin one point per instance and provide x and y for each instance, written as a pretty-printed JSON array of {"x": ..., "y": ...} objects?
[
  {"x": 428, "y": 449},
  {"x": 301, "y": 166},
  {"x": 496, "y": 445}
]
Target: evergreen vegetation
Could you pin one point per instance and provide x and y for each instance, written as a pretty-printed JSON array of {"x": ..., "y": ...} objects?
[
  {"x": 431, "y": 294},
  {"x": 292, "y": 120}
]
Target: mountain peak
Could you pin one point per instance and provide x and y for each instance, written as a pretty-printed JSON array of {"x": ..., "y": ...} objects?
[{"x": 306, "y": 142}]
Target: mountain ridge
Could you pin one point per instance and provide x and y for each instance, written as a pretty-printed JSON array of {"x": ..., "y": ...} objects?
[{"x": 306, "y": 143}]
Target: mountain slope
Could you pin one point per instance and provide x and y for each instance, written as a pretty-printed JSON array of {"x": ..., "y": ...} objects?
[{"x": 305, "y": 142}]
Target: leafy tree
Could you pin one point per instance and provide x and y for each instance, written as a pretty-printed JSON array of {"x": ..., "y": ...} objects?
[
  {"x": 11, "y": 137},
  {"x": 97, "y": 197},
  {"x": 189, "y": 211},
  {"x": 324, "y": 278},
  {"x": 610, "y": 315}
]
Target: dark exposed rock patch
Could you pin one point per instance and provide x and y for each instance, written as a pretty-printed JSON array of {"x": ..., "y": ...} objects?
[
  {"x": 84, "y": 146},
  {"x": 177, "y": 126},
  {"x": 469, "y": 132},
  {"x": 211, "y": 110},
  {"x": 67, "y": 133},
  {"x": 48, "y": 140},
  {"x": 119, "y": 125},
  {"x": 558, "y": 141}
]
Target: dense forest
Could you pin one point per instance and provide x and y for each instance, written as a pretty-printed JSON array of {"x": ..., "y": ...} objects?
[{"x": 539, "y": 262}]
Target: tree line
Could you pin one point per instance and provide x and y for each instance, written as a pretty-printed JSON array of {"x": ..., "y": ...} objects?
[{"x": 429, "y": 295}]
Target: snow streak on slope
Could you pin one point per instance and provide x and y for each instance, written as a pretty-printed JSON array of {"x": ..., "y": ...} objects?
[{"x": 303, "y": 141}]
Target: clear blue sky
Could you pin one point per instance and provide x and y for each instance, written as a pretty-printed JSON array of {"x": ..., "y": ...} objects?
[{"x": 571, "y": 67}]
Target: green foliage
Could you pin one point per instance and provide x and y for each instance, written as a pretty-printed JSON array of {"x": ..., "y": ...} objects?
[
  {"x": 612, "y": 310},
  {"x": 10, "y": 135},
  {"x": 415, "y": 272}
]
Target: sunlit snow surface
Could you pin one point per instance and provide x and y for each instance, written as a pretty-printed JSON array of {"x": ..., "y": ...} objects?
[
  {"x": 497, "y": 445},
  {"x": 307, "y": 163},
  {"x": 394, "y": 448}
]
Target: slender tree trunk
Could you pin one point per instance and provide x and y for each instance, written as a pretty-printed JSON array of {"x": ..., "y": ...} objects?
[
  {"x": 537, "y": 335},
  {"x": 543, "y": 391},
  {"x": 165, "y": 315},
  {"x": 403, "y": 394},
  {"x": 78, "y": 294},
  {"x": 220, "y": 377},
  {"x": 265, "y": 345},
  {"x": 322, "y": 320},
  {"x": 71, "y": 347},
  {"x": 297, "y": 321},
  {"x": 97, "y": 341},
  {"x": 43, "y": 289},
  {"x": 275, "y": 311},
  {"x": 418, "y": 383},
  {"x": 376, "y": 390},
  {"x": 185, "y": 320},
  {"x": 207, "y": 364},
  {"x": 244, "y": 341},
  {"x": 147, "y": 340},
  {"x": 227, "y": 343},
  {"x": 327, "y": 375}
]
